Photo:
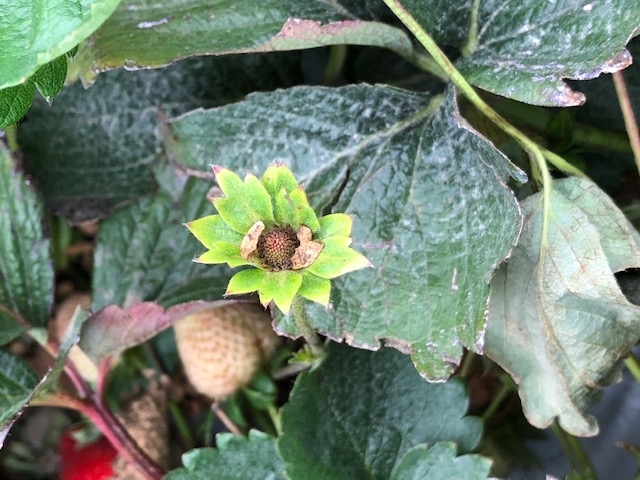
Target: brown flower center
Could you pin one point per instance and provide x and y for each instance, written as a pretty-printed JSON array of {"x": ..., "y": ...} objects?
[{"x": 276, "y": 248}]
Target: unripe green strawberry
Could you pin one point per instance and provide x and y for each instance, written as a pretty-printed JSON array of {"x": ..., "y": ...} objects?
[{"x": 222, "y": 348}]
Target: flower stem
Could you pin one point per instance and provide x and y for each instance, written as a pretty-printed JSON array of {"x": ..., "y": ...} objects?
[{"x": 304, "y": 326}]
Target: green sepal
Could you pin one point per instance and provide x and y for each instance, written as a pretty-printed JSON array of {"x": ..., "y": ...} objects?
[
  {"x": 223, "y": 252},
  {"x": 336, "y": 258},
  {"x": 280, "y": 287},
  {"x": 315, "y": 288},
  {"x": 284, "y": 211},
  {"x": 305, "y": 213},
  {"x": 246, "y": 202},
  {"x": 246, "y": 281},
  {"x": 211, "y": 229},
  {"x": 278, "y": 177},
  {"x": 335, "y": 224}
]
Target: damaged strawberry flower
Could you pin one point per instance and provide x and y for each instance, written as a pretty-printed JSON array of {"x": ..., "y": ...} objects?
[{"x": 268, "y": 225}]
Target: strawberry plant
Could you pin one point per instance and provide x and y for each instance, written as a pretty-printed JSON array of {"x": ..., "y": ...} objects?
[{"x": 416, "y": 251}]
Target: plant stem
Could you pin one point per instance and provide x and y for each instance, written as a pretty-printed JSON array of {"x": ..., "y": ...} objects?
[
  {"x": 304, "y": 326},
  {"x": 337, "y": 56},
  {"x": 574, "y": 452},
  {"x": 472, "y": 37},
  {"x": 100, "y": 414},
  {"x": 507, "y": 387},
  {"x": 467, "y": 90},
  {"x": 182, "y": 425},
  {"x": 275, "y": 418},
  {"x": 224, "y": 418},
  {"x": 428, "y": 64},
  {"x": 467, "y": 363},
  {"x": 11, "y": 133},
  {"x": 633, "y": 365},
  {"x": 627, "y": 114},
  {"x": 290, "y": 370},
  {"x": 538, "y": 118}
]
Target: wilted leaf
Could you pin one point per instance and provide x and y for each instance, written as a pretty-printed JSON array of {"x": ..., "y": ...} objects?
[
  {"x": 431, "y": 208},
  {"x": 34, "y": 32},
  {"x": 26, "y": 273},
  {"x": 558, "y": 321},
  {"x": 113, "y": 329},
  {"x": 142, "y": 35},
  {"x": 93, "y": 149},
  {"x": 360, "y": 412},
  {"x": 440, "y": 462},
  {"x": 523, "y": 50},
  {"x": 236, "y": 458}
]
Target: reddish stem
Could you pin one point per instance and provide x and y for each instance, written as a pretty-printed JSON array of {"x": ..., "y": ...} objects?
[{"x": 95, "y": 408}]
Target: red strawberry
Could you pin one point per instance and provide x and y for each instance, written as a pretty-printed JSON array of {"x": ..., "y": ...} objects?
[{"x": 85, "y": 462}]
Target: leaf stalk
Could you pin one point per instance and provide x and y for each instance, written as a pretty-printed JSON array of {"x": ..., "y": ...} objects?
[{"x": 627, "y": 114}]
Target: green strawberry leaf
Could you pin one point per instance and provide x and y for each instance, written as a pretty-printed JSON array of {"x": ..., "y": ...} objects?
[
  {"x": 524, "y": 50},
  {"x": 18, "y": 382},
  {"x": 360, "y": 412},
  {"x": 143, "y": 35},
  {"x": 444, "y": 202},
  {"x": 15, "y": 102},
  {"x": 145, "y": 253},
  {"x": 49, "y": 78},
  {"x": 10, "y": 329},
  {"x": 440, "y": 462},
  {"x": 236, "y": 458},
  {"x": 92, "y": 150},
  {"x": 26, "y": 288},
  {"x": 34, "y": 32}
]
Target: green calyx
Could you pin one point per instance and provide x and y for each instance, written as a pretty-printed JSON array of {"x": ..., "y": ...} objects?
[{"x": 269, "y": 225}]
